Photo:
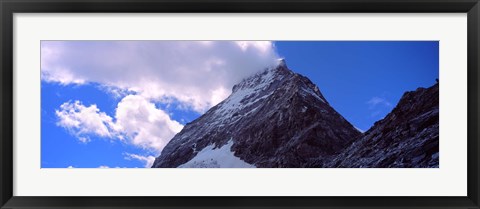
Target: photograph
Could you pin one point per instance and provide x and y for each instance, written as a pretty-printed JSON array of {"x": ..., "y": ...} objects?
[
  {"x": 243, "y": 104},
  {"x": 239, "y": 104}
]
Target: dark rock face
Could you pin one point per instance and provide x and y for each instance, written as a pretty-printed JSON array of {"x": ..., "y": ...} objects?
[
  {"x": 276, "y": 118},
  {"x": 407, "y": 137}
]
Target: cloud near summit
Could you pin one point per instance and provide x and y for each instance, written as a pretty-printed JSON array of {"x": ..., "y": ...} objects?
[
  {"x": 195, "y": 75},
  {"x": 198, "y": 74}
]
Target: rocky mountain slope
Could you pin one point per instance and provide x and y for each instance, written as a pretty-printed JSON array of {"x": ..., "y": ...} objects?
[
  {"x": 276, "y": 118},
  {"x": 406, "y": 137}
]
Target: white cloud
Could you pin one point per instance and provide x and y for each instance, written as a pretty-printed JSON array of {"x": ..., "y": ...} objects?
[
  {"x": 70, "y": 167},
  {"x": 198, "y": 74},
  {"x": 83, "y": 139},
  {"x": 374, "y": 101},
  {"x": 145, "y": 125},
  {"x": 103, "y": 166},
  {"x": 194, "y": 75},
  {"x": 137, "y": 121},
  {"x": 148, "y": 160},
  {"x": 82, "y": 120},
  {"x": 379, "y": 106}
]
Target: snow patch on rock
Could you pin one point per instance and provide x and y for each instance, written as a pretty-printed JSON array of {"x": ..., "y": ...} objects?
[{"x": 222, "y": 157}]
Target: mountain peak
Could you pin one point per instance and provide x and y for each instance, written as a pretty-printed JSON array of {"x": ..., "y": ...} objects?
[
  {"x": 275, "y": 118},
  {"x": 265, "y": 77},
  {"x": 282, "y": 62}
]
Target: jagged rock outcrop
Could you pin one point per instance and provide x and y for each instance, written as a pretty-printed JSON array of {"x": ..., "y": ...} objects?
[
  {"x": 406, "y": 137},
  {"x": 276, "y": 118}
]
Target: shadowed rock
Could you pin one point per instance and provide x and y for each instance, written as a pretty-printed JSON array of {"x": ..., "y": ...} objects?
[{"x": 406, "y": 137}]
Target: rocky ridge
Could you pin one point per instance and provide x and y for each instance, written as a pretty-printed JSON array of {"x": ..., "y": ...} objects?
[{"x": 407, "y": 137}]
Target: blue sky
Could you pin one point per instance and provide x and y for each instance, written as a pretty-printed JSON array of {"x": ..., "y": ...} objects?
[
  {"x": 364, "y": 80},
  {"x": 116, "y": 104}
]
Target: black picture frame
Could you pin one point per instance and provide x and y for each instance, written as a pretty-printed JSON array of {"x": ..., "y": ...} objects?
[{"x": 9, "y": 7}]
